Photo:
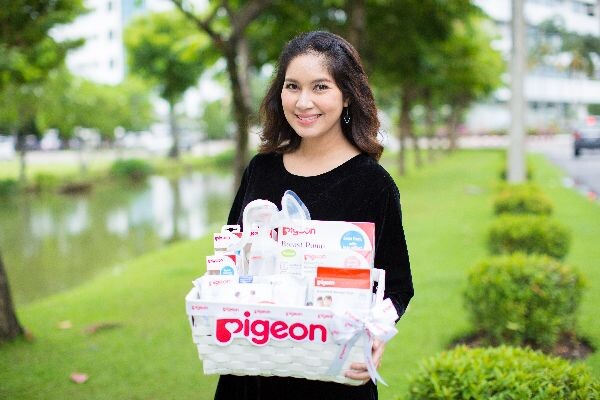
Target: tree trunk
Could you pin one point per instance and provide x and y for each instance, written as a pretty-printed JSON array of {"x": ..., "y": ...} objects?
[
  {"x": 453, "y": 129},
  {"x": 405, "y": 129},
  {"x": 417, "y": 150},
  {"x": 22, "y": 149},
  {"x": 430, "y": 128},
  {"x": 241, "y": 103},
  {"x": 356, "y": 27},
  {"x": 176, "y": 210},
  {"x": 174, "y": 151},
  {"x": 9, "y": 325}
]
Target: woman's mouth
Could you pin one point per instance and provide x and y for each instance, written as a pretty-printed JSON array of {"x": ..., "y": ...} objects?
[{"x": 307, "y": 119}]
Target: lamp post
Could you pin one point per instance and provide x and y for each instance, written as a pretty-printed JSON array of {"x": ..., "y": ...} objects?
[{"x": 516, "y": 150}]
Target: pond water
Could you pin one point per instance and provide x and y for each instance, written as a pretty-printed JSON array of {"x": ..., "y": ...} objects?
[{"x": 51, "y": 243}]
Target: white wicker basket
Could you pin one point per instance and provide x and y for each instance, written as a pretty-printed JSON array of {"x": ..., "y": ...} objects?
[{"x": 279, "y": 356}]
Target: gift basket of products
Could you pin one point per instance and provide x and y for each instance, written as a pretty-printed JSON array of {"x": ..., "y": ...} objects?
[{"x": 290, "y": 296}]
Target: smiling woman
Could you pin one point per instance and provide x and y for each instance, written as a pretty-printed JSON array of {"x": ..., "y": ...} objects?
[
  {"x": 312, "y": 102},
  {"x": 320, "y": 141}
]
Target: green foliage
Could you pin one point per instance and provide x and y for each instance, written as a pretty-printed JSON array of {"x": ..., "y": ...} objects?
[
  {"x": 216, "y": 121},
  {"x": 528, "y": 234},
  {"x": 70, "y": 102},
  {"x": 555, "y": 39},
  {"x": 523, "y": 299},
  {"x": 132, "y": 169},
  {"x": 522, "y": 199},
  {"x": 594, "y": 109},
  {"x": 43, "y": 181},
  {"x": 168, "y": 50},
  {"x": 27, "y": 51},
  {"x": 8, "y": 187},
  {"x": 501, "y": 373}
]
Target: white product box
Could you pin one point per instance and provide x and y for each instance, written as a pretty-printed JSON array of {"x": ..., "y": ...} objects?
[
  {"x": 214, "y": 287},
  {"x": 222, "y": 264},
  {"x": 343, "y": 288},
  {"x": 303, "y": 243},
  {"x": 328, "y": 235}
]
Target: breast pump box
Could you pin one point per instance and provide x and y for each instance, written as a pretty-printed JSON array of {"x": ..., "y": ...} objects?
[{"x": 302, "y": 242}]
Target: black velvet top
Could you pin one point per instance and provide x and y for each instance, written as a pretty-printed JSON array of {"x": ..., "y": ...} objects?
[{"x": 359, "y": 190}]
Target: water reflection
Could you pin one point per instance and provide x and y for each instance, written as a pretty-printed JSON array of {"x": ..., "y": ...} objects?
[{"x": 51, "y": 243}]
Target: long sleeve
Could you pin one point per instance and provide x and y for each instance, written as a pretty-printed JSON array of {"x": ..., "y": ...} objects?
[{"x": 391, "y": 251}]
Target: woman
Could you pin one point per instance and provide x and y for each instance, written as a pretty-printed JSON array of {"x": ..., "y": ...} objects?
[{"x": 320, "y": 140}]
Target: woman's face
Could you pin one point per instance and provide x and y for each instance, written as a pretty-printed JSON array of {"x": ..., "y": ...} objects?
[{"x": 312, "y": 102}]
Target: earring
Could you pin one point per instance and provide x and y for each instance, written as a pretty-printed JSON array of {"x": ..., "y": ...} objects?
[{"x": 346, "y": 117}]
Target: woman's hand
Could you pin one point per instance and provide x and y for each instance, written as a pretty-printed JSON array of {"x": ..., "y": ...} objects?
[{"x": 359, "y": 371}]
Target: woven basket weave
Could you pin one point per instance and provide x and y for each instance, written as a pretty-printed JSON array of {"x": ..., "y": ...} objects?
[{"x": 299, "y": 359}]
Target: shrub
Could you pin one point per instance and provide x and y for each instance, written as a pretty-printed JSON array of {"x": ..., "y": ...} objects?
[
  {"x": 8, "y": 187},
  {"x": 501, "y": 373},
  {"x": 522, "y": 199},
  {"x": 133, "y": 169},
  {"x": 523, "y": 299},
  {"x": 528, "y": 234},
  {"x": 45, "y": 182}
]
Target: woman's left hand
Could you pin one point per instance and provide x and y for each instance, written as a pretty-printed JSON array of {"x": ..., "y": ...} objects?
[{"x": 359, "y": 371}]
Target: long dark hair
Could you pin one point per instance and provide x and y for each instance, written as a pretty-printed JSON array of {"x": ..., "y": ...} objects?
[{"x": 344, "y": 65}]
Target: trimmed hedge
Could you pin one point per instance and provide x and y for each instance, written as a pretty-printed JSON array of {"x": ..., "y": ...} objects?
[
  {"x": 530, "y": 234},
  {"x": 133, "y": 169},
  {"x": 522, "y": 199},
  {"x": 501, "y": 373},
  {"x": 523, "y": 299}
]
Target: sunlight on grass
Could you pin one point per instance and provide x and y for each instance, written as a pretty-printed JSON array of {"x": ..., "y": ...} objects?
[{"x": 446, "y": 208}]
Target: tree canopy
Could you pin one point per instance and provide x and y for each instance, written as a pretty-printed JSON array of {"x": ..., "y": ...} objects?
[{"x": 27, "y": 50}]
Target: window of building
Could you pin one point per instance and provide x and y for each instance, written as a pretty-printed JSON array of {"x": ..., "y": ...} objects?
[
  {"x": 591, "y": 9},
  {"x": 111, "y": 63},
  {"x": 110, "y": 35},
  {"x": 109, "y": 6}
]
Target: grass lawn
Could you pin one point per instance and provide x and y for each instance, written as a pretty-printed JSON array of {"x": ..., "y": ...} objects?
[{"x": 447, "y": 208}]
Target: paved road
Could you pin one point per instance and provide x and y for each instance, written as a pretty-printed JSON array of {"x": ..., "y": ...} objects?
[{"x": 584, "y": 170}]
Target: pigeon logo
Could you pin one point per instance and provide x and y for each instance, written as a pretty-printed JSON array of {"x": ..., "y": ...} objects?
[
  {"x": 287, "y": 230},
  {"x": 260, "y": 331}
]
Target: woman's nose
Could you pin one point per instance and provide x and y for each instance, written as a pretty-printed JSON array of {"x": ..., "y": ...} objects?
[{"x": 304, "y": 99}]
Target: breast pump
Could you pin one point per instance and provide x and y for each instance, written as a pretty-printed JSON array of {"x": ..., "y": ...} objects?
[{"x": 262, "y": 216}]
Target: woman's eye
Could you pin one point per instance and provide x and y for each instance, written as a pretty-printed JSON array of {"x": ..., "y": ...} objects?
[
  {"x": 291, "y": 86},
  {"x": 321, "y": 87}
]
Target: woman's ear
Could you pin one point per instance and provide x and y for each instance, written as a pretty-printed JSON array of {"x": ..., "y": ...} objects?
[{"x": 346, "y": 102}]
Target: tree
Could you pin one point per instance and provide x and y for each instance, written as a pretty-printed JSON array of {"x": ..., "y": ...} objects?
[
  {"x": 70, "y": 102},
  {"x": 466, "y": 68},
  {"x": 215, "y": 121},
  {"x": 28, "y": 53},
  {"x": 9, "y": 325},
  {"x": 553, "y": 39},
  {"x": 410, "y": 29},
  {"x": 226, "y": 23},
  {"x": 166, "y": 49}
]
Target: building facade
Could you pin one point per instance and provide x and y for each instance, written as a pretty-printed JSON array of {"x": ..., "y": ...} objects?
[
  {"x": 102, "y": 57},
  {"x": 557, "y": 95}
]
